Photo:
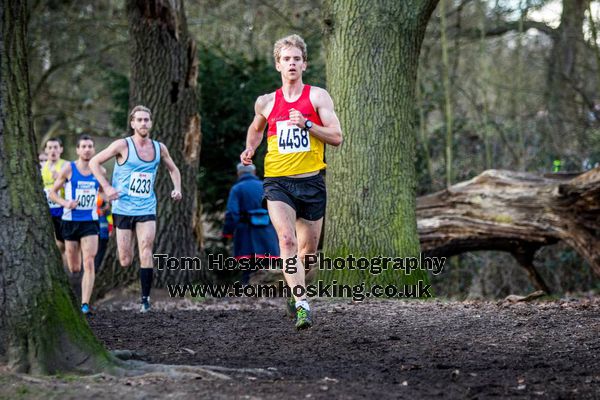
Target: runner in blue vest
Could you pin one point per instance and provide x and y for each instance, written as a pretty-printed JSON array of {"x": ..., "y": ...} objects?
[
  {"x": 80, "y": 216},
  {"x": 132, "y": 192}
]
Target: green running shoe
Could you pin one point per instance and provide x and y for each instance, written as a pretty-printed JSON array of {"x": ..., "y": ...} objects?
[
  {"x": 303, "y": 319},
  {"x": 290, "y": 307}
]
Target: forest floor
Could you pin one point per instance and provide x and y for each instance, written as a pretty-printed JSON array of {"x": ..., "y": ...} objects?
[{"x": 371, "y": 349}]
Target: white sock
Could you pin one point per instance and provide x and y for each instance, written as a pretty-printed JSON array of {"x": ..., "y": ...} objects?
[{"x": 303, "y": 304}]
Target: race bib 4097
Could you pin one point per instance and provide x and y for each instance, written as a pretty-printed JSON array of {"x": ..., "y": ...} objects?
[{"x": 86, "y": 198}]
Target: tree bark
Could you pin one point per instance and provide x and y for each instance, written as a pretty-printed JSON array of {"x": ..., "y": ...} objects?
[
  {"x": 164, "y": 68},
  {"x": 41, "y": 331},
  {"x": 514, "y": 212},
  {"x": 564, "y": 106},
  {"x": 372, "y": 53},
  {"x": 447, "y": 84}
]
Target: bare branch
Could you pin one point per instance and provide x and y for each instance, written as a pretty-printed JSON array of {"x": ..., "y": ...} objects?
[
  {"x": 77, "y": 58},
  {"x": 501, "y": 29}
]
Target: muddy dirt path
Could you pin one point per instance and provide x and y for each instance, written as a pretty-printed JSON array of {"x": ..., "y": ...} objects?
[{"x": 373, "y": 349}]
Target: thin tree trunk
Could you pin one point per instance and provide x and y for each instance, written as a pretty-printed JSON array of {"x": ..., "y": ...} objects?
[
  {"x": 423, "y": 132},
  {"x": 518, "y": 92},
  {"x": 447, "y": 93},
  {"x": 372, "y": 60},
  {"x": 561, "y": 95},
  {"x": 595, "y": 45},
  {"x": 484, "y": 79},
  {"x": 41, "y": 331}
]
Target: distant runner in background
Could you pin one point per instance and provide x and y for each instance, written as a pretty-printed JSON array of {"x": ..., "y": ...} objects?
[{"x": 50, "y": 170}]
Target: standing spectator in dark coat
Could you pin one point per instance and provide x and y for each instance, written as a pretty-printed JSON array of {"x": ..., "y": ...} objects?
[{"x": 247, "y": 221}]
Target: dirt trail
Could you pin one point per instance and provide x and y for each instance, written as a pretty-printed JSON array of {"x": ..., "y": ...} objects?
[{"x": 373, "y": 349}]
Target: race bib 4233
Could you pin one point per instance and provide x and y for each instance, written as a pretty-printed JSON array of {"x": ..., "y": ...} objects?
[
  {"x": 292, "y": 139},
  {"x": 140, "y": 184}
]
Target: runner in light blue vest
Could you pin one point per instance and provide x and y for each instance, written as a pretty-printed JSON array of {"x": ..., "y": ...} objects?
[
  {"x": 132, "y": 192},
  {"x": 80, "y": 216}
]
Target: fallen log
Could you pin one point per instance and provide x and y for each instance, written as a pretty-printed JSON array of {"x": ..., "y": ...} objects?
[{"x": 515, "y": 212}]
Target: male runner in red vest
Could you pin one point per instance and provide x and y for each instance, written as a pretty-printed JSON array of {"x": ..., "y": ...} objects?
[{"x": 301, "y": 121}]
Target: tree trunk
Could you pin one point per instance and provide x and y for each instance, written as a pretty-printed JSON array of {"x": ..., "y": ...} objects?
[
  {"x": 447, "y": 107},
  {"x": 41, "y": 331},
  {"x": 564, "y": 111},
  {"x": 514, "y": 212},
  {"x": 483, "y": 79},
  {"x": 372, "y": 57},
  {"x": 164, "y": 70}
]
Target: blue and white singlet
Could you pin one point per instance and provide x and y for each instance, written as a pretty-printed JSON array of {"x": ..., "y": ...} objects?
[{"x": 83, "y": 188}]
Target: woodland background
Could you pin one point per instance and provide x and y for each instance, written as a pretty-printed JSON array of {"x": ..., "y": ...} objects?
[{"x": 501, "y": 84}]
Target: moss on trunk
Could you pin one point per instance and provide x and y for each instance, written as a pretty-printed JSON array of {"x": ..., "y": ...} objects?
[
  {"x": 372, "y": 57},
  {"x": 41, "y": 329}
]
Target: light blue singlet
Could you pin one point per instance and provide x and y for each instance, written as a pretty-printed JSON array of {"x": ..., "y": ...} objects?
[{"x": 134, "y": 179}]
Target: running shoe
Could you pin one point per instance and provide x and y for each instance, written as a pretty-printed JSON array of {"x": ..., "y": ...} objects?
[
  {"x": 85, "y": 309},
  {"x": 303, "y": 318},
  {"x": 145, "y": 305}
]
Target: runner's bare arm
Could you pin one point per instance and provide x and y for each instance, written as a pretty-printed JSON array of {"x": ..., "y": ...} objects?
[
  {"x": 255, "y": 131},
  {"x": 331, "y": 131},
  {"x": 104, "y": 173},
  {"x": 62, "y": 177},
  {"x": 115, "y": 149},
  {"x": 173, "y": 172}
]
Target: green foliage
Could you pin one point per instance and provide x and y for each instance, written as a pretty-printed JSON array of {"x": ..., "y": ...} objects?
[
  {"x": 117, "y": 84},
  {"x": 230, "y": 84}
]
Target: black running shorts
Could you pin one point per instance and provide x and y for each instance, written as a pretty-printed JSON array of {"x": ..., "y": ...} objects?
[
  {"x": 129, "y": 221},
  {"x": 57, "y": 224},
  {"x": 75, "y": 230},
  {"x": 305, "y": 195}
]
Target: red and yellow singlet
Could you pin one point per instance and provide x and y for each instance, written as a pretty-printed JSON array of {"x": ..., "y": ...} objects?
[{"x": 292, "y": 150}]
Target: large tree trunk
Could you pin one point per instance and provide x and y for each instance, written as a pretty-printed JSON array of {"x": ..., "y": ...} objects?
[
  {"x": 372, "y": 57},
  {"x": 41, "y": 331},
  {"x": 514, "y": 212},
  {"x": 163, "y": 77}
]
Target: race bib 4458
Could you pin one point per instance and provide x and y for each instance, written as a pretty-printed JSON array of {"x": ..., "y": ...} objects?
[{"x": 292, "y": 139}]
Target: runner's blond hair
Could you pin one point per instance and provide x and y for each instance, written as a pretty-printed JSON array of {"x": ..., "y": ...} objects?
[{"x": 289, "y": 41}]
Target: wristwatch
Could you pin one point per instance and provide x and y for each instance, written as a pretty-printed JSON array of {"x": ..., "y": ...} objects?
[{"x": 308, "y": 125}]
